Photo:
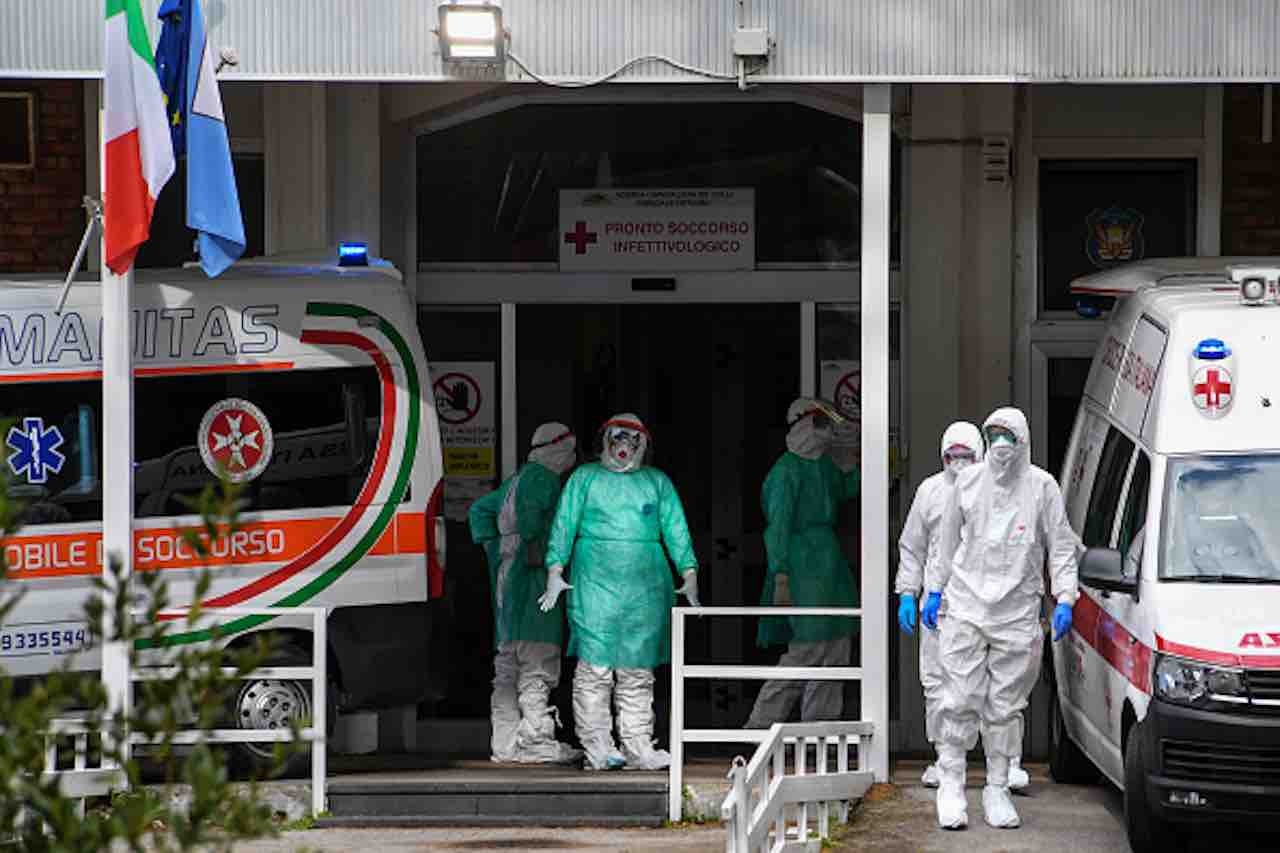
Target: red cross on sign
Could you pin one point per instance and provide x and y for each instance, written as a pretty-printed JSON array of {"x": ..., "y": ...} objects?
[
  {"x": 580, "y": 237},
  {"x": 1211, "y": 390}
]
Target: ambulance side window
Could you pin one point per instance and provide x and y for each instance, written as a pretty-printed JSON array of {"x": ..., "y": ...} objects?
[
  {"x": 1135, "y": 506},
  {"x": 323, "y": 425},
  {"x": 1113, "y": 465},
  {"x": 50, "y": 452}
]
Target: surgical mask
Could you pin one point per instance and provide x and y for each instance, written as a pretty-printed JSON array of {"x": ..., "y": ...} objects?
[
  {"x": 956, "y": 464},
  {"x": 1002, "y": 452}
]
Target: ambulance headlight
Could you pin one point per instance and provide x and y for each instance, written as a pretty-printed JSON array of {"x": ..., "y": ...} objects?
[
  {"x": 1253, "y": 291},
  {"x": 1185, "y": 682}
]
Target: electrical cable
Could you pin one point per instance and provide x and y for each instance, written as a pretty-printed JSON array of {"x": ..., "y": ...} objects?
[{"x": 649, "y": 57}]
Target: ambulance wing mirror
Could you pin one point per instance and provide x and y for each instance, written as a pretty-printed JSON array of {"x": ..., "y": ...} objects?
[{"x": 1103, "y": 568}]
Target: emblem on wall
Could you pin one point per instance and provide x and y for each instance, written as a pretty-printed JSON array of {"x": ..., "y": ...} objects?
[
  {"x": 235, "y": 440},
  {"x": 1114, "y": 235}
]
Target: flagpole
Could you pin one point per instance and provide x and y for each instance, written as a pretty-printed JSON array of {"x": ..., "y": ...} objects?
[{"x": 117, "y": 458}]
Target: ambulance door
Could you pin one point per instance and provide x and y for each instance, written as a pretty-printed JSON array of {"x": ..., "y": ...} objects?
[
  {"x": 1093, "y": 646},
  {"x": 1119, "y": 628}
]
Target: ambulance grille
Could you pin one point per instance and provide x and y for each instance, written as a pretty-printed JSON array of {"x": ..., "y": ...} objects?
[
  {"x": 1264, "y": 685},
  {"x": 1213, "y": 762}
]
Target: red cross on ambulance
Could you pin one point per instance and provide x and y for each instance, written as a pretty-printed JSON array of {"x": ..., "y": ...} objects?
[{"x": 1211, "y": 390}]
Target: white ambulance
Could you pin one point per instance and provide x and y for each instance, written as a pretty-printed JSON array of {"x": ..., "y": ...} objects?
[
  {"x": 305, "y": 382},
  {"x": 1170, "y": 681}
]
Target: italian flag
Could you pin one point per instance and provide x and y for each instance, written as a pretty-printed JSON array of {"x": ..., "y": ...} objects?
[{"x": 139, "y": 154}]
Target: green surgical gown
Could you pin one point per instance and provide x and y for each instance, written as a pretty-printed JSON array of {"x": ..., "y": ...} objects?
[
  {"x": 801, "y": 499},
  {"x": 609, "y": 531},
  {"x": 512, "y": 526}
]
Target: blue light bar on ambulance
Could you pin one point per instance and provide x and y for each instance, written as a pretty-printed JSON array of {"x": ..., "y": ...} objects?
[
  {"x": 1211, "y": 349},
  {"x": 353, "y": 255}
]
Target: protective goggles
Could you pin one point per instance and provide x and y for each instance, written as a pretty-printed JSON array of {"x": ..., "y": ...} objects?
[
  {"x": 996, "y": 434},
  {"x": 958, "y": 452}
]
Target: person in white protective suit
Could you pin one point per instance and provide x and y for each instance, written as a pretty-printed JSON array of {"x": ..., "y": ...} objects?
[
  {"x": 617, "y": 522},
  {"x": 512, "y": 523},
  {"x": 1000, "y": 520},
  {"x": 917, "y": 546}
]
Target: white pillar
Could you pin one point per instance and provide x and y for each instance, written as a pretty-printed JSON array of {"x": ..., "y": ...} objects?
[
  {"x": 510, "y": 452},
  {"x": 876, "y": 163}
]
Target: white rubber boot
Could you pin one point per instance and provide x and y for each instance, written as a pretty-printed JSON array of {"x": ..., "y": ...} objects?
[
  {"x": 953, "y": 810},
  {"x": 1019, "y": 779},
  {"x": 997, "y": 804},
  {"x": 931, "y": 776}
]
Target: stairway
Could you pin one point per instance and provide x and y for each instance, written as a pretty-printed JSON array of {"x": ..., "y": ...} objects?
[{"x": 477, "y": 793}]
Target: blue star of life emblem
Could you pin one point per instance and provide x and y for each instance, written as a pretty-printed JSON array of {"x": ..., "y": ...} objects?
[{"x": 35, "y": 450}]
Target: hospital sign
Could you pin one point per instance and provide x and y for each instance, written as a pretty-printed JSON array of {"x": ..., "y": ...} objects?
[{"x": 657, "y": 229}]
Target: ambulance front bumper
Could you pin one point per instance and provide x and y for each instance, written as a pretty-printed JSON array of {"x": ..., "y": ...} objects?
[{"x": 1212, "y": 764}]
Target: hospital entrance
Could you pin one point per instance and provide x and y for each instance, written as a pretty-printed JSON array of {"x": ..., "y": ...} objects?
[{"x": 712, "y": 383}]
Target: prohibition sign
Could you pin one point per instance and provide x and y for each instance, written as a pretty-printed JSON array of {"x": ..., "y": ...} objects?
[
  {"x": 849, "y": 395},
  {"x": 457, "y": 398}
]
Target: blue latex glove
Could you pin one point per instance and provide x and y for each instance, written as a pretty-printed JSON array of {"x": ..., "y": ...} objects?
[
  {"x": 1061, "y": 621},
  {"x": 907, "y": 613},
  {"x": 931, "y": 606}
]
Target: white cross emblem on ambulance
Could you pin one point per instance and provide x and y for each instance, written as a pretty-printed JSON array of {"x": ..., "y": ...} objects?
[{"x": 1211, "y": 390}]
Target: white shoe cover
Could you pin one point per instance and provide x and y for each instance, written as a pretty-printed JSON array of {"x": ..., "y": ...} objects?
[
  {"x": 953, "y": 810},
  {"x": 997, "y": 807},
  {"x": 603, "y": 756},
  {"x": 548, "y": 752},
  {"x": 931, "y": 778},
  {"x": 641, "y": 755},
  {"x": 1019, "y": 779}
]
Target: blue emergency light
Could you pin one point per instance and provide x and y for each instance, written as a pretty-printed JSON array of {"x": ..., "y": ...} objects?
[
  {"x": 1212, "y": 349},
  {"x": 353, "y": 255}
]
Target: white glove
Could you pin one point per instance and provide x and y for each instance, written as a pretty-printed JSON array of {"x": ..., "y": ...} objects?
[
  {"x": 690, "y": 588},
  {"x": 555, "y": 586},
  {"x": 781, "y": 591}
]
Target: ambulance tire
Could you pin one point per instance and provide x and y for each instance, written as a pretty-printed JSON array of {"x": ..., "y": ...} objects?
[
  {"x": 1068, "y": 764},
  {"x": 268, "y": 704},
  {"x": 1147, "y": 832}
]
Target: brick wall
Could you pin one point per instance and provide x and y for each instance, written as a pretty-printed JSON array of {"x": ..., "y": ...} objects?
[
  {"x": 1250, "y": 175},
  {"x": 41, "y": 219}
]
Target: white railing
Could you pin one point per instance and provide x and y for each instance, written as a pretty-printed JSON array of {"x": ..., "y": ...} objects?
[
  {"x": 771, "y": 809},
  {"x": 681, "y": 671},
  {"x": 90, "y": 782}
]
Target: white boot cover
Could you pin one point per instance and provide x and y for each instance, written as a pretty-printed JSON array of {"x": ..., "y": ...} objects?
[
  {"x": 634, "y": 700},
  {"x": 931, "y": 777},
  {"x": 591, "y": 688},
  {"x": 1019, "y": 779},
  {"x": 953, "y": 810},
  {"x": 997, "y": 804}
]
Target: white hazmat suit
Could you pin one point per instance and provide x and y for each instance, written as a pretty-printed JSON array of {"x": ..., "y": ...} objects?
[{"x": 1001, "y": 519}]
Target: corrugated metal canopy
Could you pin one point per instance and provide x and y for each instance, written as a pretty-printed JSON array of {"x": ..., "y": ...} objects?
[{"x": 816, "y": 40}]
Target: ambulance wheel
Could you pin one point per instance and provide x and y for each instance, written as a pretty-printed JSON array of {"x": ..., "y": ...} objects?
[
  {"x": 1067, "y": 763},
  {"x": 1147, "y": 832},
  {"x": 270, "y": 703}
]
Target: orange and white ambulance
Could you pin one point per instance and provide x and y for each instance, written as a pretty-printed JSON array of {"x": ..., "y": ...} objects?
[
  {"x": 1170, "y": 681},
  {"x": 307, "y": 384}
]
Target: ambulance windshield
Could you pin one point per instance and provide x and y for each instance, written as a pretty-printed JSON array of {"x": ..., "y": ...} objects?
[{"x": 1220, "y": 520}]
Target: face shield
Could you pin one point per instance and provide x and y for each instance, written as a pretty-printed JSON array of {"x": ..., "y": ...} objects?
[{"x": 623, "y": 447}]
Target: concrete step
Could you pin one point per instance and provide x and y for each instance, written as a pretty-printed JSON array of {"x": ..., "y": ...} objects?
[{"x": 498, "y": 796}]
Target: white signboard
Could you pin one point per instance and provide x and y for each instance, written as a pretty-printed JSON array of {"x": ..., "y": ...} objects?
[
  {"x": 1132, "y": 370},
  {"x": 657, "y": 229},
  {"x": 465, "y": 394}
]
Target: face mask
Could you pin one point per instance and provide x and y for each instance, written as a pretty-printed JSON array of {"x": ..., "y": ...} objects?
[
  {"x": 958, "y": 464},
  {"x": 623, "y": 449},
  {"x": 1002, "y": 453}
]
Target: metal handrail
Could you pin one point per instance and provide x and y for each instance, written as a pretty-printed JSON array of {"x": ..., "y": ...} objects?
[
  {"x": 680, "y": 672},
  {"x": 85, "y": 782},
  {"x": 763, "y": 791}
]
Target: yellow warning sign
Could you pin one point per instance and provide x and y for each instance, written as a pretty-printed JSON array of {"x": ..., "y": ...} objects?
[{"x": 468, "y": 462}]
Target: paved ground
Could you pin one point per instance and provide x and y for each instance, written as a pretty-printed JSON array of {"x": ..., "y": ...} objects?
[{"x": 892, "y": 820}]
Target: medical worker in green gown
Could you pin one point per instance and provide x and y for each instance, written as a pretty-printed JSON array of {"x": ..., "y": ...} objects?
[
  {"x": 614, "y": 518},
  {"x": 807, "y": 568},
  {"x": 512, "y": 523}
]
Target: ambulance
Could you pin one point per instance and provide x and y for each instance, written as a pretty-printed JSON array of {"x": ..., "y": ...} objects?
[
  {"x": 1169, "y": 683},
  {"x": 300, "y": 379}
]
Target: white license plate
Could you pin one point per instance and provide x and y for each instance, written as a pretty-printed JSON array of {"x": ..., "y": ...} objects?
[{"x": 46, "y": 638}]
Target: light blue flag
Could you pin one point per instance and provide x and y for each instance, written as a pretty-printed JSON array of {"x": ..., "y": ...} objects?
[{"x": 213, "y": 204}]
